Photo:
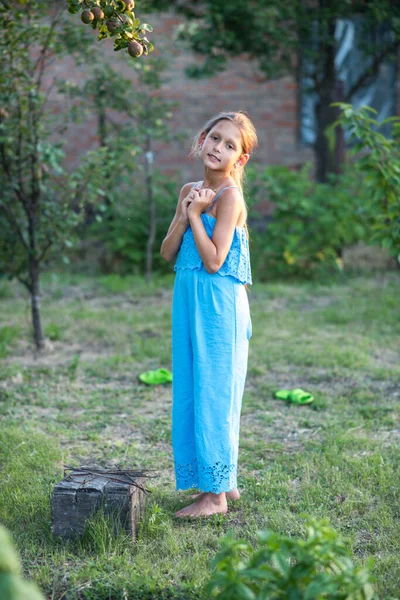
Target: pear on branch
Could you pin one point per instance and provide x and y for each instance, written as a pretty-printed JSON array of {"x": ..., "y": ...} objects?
[
  {"x": 135, "y": 49},
  {"x": 98, "y": 13},
  {"x": 87, "y": 16}
]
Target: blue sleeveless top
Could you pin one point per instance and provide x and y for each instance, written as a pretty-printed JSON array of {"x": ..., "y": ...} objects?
[{"x": 237, "y": 262}]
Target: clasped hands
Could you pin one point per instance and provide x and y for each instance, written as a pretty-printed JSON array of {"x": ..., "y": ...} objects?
[{"x": 196, "y": 202}]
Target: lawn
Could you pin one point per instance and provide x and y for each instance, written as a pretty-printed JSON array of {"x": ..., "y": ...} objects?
[{"x": 81, "y": 401}]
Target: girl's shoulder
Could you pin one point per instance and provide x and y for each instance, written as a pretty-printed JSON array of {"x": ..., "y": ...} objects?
[
  {"x": 228, "y": 198},
  {"x": 185, "y": 189}
]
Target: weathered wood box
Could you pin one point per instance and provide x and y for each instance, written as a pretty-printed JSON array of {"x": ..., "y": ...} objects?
[{"x": 84, "y": 491}]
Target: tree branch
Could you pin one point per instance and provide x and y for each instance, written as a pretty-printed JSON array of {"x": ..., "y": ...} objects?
[
  {"x": 19, "y": 149},
  {"x": 371, "y": 69},
  {"x": 14, "y": 223},
  {"x": 6, "y": 168},
  {"x": 33, "y": 156},
  {"x": 45, "y": 249},
  {"x": 40, "y": 63},
  {"x": 40, "y": 112},
  {"x": 24, "y": 282}
]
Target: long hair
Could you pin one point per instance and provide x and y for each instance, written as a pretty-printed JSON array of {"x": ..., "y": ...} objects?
[{"x": 249, "y": 142}]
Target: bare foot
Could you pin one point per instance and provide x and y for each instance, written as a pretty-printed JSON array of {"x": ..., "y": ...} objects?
[
  {"x": 207, "y": 504},
  {"x": 231, "y": 495}
]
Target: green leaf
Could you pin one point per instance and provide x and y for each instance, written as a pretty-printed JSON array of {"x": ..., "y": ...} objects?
[
  {"x": 243, "y": 592},
  {"x": 281, "y": 563}
]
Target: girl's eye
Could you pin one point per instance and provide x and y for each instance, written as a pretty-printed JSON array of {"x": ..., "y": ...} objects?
[{"x": 230, "y": 146}]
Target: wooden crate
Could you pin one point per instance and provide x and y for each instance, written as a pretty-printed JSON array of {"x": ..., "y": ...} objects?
[{"x": 79, "y": 495}]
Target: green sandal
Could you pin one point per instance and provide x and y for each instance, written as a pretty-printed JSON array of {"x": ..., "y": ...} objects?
[
  {"x": 296, "y": 396},
  {"x": 156, "y": 377}
]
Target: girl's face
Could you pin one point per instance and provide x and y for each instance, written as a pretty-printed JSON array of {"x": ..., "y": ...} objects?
[{"x": 222, "y": 147}]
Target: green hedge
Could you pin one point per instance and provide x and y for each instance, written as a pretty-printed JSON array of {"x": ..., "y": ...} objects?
[{"x": 311, "y": 223}]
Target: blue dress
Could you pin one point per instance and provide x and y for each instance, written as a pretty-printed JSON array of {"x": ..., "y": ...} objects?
[{"x": 211, "y": 328}]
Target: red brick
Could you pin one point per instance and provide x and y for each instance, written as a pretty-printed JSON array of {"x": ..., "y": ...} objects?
[
  {"x": 286, "y": 123},
  {"x": 270, "y": 104},
  {"x": 291, "y": 86},
  {"x": 290, "y": 106}
]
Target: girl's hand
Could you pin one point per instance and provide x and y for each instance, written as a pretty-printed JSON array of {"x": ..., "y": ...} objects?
[
  {"x": 200, "y": 202},
  {"x": 186, "y": 203}
]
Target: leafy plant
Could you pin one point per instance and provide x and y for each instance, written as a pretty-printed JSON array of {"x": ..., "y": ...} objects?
[
  {"x": 124, "y": 231},
  {"x": 317, "y": 567},
  {"x": 115, "y": 18},
  {"x": 380, "y": 162},
  {"x": 12, "y": 585},
  {"x": 133, "y": 206},
  {"x": 311, "y": 222},
  {"x": 41, "y": 204}
]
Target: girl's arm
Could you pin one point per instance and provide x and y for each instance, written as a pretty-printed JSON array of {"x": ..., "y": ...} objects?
[
  {"x": 213, "y": 252},
  {"x": 172, "y": 241}
]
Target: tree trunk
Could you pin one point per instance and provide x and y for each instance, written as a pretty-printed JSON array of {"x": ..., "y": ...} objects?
[
  {"x": 35, "y": 303},
  {"x": 100, "y": 104},
  {"x": 152, "y": 210},
  {"x": 325, "y": 114},
  {"x": 340, "y": 153}
]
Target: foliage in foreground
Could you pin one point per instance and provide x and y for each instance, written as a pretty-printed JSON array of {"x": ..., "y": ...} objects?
[
  {"x": 12, "y": 586},
  {"x": 284, "y": 567}
]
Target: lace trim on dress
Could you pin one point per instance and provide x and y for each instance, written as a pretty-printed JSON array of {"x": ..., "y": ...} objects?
[
  {"x": 216, "y": 478},
  {"x": 237, "y": 262}
]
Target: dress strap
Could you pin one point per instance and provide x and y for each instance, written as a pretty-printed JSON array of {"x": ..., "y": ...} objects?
[{"x": 219, "y": 193}]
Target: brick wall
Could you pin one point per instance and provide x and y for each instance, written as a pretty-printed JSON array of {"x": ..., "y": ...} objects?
[{"x": 272, "y": 105}]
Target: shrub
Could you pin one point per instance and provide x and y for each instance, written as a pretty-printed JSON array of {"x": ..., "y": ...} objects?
[
  {"x": 124, "y": 229},
  {"x": 318, "y": 567},
  {"x": 311, "y": 222},
  {"x": 380, "y": 162}
]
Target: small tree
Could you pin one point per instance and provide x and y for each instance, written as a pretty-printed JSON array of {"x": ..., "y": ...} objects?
[
  {"x": 151, "y": 115},
  {"x": 127, "y": 112},
  {"x": 380, "y": 162},
  {"x": 40, "y": 204}
]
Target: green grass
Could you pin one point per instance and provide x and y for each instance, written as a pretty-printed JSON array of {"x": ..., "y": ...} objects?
[{"x": 81, "y": 400}]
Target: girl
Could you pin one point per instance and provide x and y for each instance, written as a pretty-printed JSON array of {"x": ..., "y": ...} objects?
[{"x": 211, "y": 324}]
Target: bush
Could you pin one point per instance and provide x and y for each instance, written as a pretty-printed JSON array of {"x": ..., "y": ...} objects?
[
  {"x": 311, "y": 222},
  {"x": 123, "y": 231},
  {"x": 380, "y": 162},
  {"x": 317, "y": 567}
]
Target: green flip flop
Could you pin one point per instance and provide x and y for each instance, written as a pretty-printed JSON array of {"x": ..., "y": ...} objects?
[
  {"x": 156, "y": 377},
  {"x": 296, "y": 396}
]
